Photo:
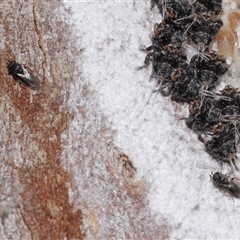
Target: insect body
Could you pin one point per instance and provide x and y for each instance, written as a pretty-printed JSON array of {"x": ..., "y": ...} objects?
[
  {"x": 224, "y": 182},
  {"x": 21, "y": 73}
]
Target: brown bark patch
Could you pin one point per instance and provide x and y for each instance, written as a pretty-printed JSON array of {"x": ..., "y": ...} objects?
[{"x": 39, "y": 117}]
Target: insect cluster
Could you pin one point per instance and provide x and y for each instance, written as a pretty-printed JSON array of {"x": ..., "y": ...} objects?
[
  {"x": 217, "y": 117},
  {"x": 213, "y": 116}
]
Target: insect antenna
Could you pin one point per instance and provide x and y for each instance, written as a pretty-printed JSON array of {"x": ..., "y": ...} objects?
[
  {"x": 156, "y": 89},
  {"x": 180, "y": 19},
  {"x": 202, "y": 97},
  {"x": 203, "y": 93},
  {"x": 203, "y": 55},
  {"x": 230, "y": 118},
  {"x": 216, "y": 96},
  {"x": 189, "y": 26},
  {"x": 233, "y": 164}
]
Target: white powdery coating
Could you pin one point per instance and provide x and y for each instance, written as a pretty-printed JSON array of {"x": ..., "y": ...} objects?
[{"x": 165, "y": 152}]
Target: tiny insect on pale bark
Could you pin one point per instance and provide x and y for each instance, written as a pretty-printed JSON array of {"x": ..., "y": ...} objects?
[
  {"x": 24, "y": 75},
  {"x": 224, "y": 182}
]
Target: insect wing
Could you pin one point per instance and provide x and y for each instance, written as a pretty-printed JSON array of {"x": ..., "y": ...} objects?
[
  {"x": 29, "y": 79},
  {"x": 234, "y": 188}
]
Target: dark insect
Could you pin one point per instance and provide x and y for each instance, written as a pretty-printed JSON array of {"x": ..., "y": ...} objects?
[
  {"x": 25, "y": 76},
  {"x": 224, "y": 182},
  {"x": 213, "y": 6},
  {"x": 205, "y": 23},
  {"x": 229, "y": 91}
]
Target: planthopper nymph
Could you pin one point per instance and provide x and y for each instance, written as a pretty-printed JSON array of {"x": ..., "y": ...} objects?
[{"x": 24, "y": 75}]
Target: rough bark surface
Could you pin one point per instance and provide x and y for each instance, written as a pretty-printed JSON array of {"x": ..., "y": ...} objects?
[{"x": 35, "y": 184}]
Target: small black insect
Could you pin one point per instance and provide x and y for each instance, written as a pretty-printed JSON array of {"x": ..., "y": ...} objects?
[
  {"x": 224, "y": 182},
  {"x": 25, "y": 76}
]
